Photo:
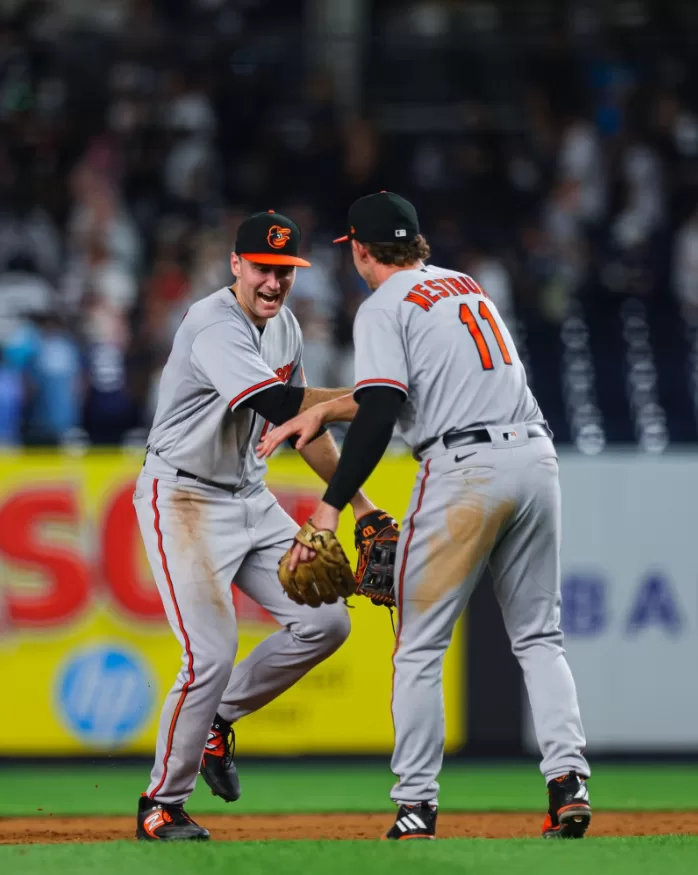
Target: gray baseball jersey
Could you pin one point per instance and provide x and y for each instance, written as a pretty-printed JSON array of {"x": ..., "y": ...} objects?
[
  {"x": 434, "y": 334},
  {"x": 199, "y": 538},
  {"x": 219, "y": 359},
  {"x": 487, "y": 501}
]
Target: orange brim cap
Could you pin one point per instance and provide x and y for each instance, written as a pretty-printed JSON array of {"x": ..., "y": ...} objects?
[{"x": 270, "y": 258}]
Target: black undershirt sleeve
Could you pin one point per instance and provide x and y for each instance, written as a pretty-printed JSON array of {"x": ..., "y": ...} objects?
[
  {"x": 278, "y": 404},
  {"x": 366, "y": 441}
]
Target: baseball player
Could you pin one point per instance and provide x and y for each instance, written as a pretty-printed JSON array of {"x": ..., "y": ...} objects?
[
  {"x": 207, "y": 518},
  {"x": 433, "y": 354}
]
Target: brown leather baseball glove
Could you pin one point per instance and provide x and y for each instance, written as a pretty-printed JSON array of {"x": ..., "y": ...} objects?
[{"x": 324, "y": 579}]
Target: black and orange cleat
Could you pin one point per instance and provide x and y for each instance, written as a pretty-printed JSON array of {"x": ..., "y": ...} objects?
[
  {"x": 217, "y": 766},
  {"x": 158, "y": 822},
  {"x": 417, "y": 821},
  {"x": 569, "y": 812}
]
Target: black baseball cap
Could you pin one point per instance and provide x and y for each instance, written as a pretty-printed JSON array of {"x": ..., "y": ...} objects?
[
  {"x": 384, "y": 217},
  {"x": 270, "y": 238}
]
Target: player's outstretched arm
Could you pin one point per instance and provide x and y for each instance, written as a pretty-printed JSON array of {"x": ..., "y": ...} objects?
[
  {"x": 366, "y": 441},
  {"x": 313, "y": 397},
  {"x": 322, "y": 456},
  {"x": 306, "y": 424}
]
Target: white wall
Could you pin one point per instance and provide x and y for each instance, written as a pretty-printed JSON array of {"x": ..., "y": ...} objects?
[{"x": 630, "y": 598}]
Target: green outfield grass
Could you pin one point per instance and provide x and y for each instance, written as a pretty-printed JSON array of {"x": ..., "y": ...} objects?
[
  {"x": 650, "y": 856},
  {"x": 290, "y": 788},
  {"x": 296, "y": 788}
]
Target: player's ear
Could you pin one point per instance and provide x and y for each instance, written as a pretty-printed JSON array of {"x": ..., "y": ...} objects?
[
  {"x": 235, "y": 264},
  {"x": 360, "y": 250}
]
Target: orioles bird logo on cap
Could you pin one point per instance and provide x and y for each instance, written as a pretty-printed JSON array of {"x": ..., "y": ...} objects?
[{"x": 278, "y": 237}]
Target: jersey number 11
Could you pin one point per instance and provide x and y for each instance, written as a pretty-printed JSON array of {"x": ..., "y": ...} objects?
[{"x": 467, "y": 318}]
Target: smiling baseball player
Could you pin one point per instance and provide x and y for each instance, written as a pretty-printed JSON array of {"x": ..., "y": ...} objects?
[
  {"x": 207, "y": 519},
  {"x": 433, "y": 354}
]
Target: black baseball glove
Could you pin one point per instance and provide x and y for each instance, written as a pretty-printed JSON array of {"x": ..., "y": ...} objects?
[{"x": 375, "y": 536}]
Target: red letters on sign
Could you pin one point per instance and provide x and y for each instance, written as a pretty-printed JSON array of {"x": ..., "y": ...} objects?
[
  {"x": 65, "y": 584},
  {"x": 66, "y": 579},
  {"x": 297, "y": 505}
]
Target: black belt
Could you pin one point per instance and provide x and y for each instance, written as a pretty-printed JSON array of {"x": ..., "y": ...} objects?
[
  {"x": 232, "y": 489},
  {"x": 477, "y": 436}
]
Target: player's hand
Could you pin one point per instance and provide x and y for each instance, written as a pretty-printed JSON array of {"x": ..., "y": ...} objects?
[
  {"x": 304, "y": 426},
  {"x": 324, "y": 517},
  {"x": 299, "y": 553}
]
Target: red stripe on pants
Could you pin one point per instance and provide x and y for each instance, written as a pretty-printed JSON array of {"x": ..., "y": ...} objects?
[{"x": 187, "y": 645}]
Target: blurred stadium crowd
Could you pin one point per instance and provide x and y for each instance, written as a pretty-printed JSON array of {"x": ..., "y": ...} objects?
[{"x": 551, "y": 148}]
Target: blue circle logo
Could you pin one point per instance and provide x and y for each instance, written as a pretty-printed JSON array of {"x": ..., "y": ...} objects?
[{"x": 105, "y": 695}]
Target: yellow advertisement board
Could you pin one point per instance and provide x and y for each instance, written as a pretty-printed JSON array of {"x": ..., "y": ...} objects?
[{"x": 86, "y": 651}]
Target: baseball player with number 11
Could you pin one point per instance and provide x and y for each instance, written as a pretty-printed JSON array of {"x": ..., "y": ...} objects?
[{"x": 433, "y": 354}]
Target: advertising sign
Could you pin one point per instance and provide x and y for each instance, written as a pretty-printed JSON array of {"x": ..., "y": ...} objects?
[{"x": 87, "y": 653}]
